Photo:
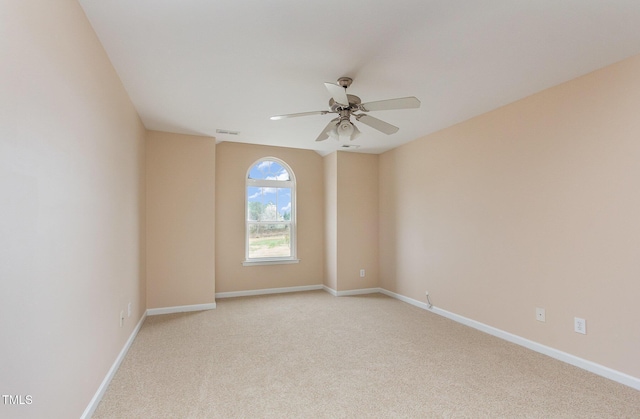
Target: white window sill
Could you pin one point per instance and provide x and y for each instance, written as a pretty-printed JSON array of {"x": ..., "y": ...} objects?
[{"x": 269, "y": 262}]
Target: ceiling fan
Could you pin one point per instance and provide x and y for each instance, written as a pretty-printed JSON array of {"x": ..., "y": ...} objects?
[{"x": 346, "y": 105}]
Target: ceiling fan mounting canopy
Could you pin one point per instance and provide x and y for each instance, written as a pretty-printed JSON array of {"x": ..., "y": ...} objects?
[
  {"x": 345, "y": 81},
  {"x": 346, "y": 105}
]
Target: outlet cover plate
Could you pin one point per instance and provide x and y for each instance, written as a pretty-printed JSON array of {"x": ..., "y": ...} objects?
[
  {"x": 540, "y": 314},
  {"x": 580, "y": 325}
]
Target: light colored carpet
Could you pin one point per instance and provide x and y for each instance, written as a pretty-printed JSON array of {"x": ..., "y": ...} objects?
[{"x": 314, "y": 355}]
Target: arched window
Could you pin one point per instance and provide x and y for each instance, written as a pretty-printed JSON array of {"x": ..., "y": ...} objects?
[{"x": 270, "y": 213}]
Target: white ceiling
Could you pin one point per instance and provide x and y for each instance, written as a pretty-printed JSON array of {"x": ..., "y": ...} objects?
[{"x": 195, "y": 66}]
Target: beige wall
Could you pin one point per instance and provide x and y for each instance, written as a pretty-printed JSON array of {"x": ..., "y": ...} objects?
[
  {"x": 180, "y": 219},
  {"x": 351, "y": 220},
  {"x": 232, "y": 162},
  {"x": 533, "y": 205},
  {"x": 72, "y": 207},
  {"x": 357, "y": 220},
  {"x": 331, "y": 220}
]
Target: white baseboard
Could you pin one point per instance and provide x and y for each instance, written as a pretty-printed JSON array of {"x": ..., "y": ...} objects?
[
  {"x": 93, "y": 404},
  {"x": 406, "y": 299},
  {"x": 346, "y": 293},
  {"x": 264, "y": 291},
  {"x": 598, "y": 369},
  {"x": 180, "y": 309}
]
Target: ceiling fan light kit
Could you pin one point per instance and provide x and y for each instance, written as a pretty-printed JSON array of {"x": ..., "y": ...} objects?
[
  {"x": 346, "y": 105},
  {"x": 344, "y": 130}
]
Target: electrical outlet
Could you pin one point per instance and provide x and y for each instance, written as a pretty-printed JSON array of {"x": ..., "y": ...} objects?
[
  {"x": 540, "y": 315},
  {"x": 129, "y": 310},
  {"x": 361, "y": 273},
  {"x": 121, "y": 318},
  {"x": 580, "y": 325}
]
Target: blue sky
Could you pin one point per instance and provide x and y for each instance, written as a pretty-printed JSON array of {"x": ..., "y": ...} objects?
[{"x": 269, "y": 170}]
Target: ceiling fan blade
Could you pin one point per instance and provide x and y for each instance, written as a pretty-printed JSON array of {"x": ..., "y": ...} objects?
[
  {"x": 294, "y": 115},
  {"x": 338, "y": 93},
  {"x": 325, "y": 132},
  {"x": 375, "y": 123},
  {"x": 383, "y": 105}
]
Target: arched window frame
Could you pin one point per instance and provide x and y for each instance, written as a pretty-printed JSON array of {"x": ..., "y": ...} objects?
[{"x": 271, "y": 183}]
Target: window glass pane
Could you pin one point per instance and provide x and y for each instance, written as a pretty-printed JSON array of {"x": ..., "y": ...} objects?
[
  {"x": 270, "y": 212},
  {"x": 284, "y": 203},
  {"x": 255, "y": 207},
  {"x": 268, "y": 204},
  {"x": 269, "y": 170},
  {"x": 269, "y": 240}
]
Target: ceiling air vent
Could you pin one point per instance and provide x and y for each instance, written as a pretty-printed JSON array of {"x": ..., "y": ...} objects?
[
  {"x": 226, "y": 131},
  {"x": 350, "y": 146}
]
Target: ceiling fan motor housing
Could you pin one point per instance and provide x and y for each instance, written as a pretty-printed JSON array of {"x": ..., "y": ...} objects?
[{"x": 354, "y": 104}]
